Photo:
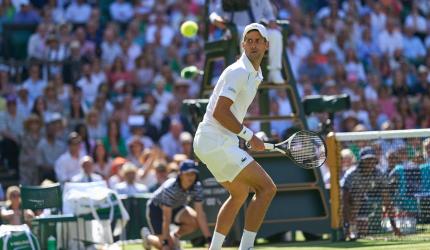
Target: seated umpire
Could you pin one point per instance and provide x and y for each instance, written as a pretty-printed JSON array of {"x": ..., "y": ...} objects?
[{"x": 169, "y": 204}]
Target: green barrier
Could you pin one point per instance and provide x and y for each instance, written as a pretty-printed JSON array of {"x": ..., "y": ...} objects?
[{"x": 136, "y": 208}]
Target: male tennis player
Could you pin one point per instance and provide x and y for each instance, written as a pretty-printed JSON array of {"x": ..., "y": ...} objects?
[{"x": 217, "y": 145}]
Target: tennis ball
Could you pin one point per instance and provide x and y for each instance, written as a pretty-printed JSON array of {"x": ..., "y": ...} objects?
[{"x": 189, "y": 28}]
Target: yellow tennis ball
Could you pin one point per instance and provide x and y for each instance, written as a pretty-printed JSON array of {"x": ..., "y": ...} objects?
[{"x": 189, "y": 28}]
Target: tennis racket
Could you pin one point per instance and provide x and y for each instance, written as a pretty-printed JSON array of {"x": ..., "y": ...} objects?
[{"x": 305, "y": 148}]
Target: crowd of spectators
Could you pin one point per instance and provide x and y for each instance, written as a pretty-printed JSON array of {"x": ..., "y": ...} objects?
[{"x": 103, "y": 81}]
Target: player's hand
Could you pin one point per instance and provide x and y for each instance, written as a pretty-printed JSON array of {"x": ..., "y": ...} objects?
[{"x": 256, "y": 144}]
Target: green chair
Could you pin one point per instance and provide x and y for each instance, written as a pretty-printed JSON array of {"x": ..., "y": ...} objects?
[{"x": 39, "y": 198}]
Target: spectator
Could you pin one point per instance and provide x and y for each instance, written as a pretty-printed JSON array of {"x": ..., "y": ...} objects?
[
  {"x": 96, "y": 129},
  {"x": 138, "y": 129},
  {"x": 87, "y": 142},
  {"x": 12, "y": 213},
  {"x": 24, "y": 105},
  {"x": 102, "y": 161},
  {"x": 114, "y": 142},
  {"x": 173, "y": 113},
  {"x": 49, "y": 149},
  {"x": 11, "y": 129},
  {"x": 169, "y": 142},
  {"x": 121, "y": 11},
  {"x": 144, "y": 73},
  {"x": 34, "y": 84},
  {"x": 161, "y": 173},
  {"x": 88, "y": 84},
  {"x": 67, "y": 165},
  {"x": 36, "y": 46},
  {"x": 26, "y": 14},
  {"x": 109, "y": 47},
  {"x": 118, "y": 76},
  {"x": 390, "y": 39},
  {"x": 87, "y": 173},
  {"x": 186, "y": 140},
  {"x": 365, "y": 191},
  {"x": 169, "y": 204},
  {"x": 39, "y": 107},
  {"x": 129, "y": 186},
  {"x": 28, "y": 167},
  {"x": 78, "y": 12},
  {"x": 53, "y": 104}
]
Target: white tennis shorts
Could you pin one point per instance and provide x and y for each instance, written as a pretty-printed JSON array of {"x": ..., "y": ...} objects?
[{"x": 221, "y": 153}]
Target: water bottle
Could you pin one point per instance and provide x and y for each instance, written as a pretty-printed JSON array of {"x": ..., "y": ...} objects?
[{"x": 52, "y": 243}]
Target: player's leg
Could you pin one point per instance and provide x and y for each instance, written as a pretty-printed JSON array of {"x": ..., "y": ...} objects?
[
  {"x": 228, "y": 212},
  {"x": 257, "y": 179}
]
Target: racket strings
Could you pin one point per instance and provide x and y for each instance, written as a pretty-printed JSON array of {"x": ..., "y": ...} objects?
[{"x": 308, "y": 150}]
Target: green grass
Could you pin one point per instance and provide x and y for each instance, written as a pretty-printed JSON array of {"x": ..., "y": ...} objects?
[{"x": 327, "y": 245}]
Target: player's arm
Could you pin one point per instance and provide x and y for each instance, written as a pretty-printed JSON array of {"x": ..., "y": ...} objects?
[
  {"x": 225, "y": 117},
  {"x": 167, "y": 218},
  {"x": 201, "y": 219}
]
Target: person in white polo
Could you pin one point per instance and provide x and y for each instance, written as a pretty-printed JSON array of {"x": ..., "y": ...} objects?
[{"x": 216, "y": 143}]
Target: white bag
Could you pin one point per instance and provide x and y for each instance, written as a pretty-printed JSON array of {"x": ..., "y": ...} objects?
[{"x": 87, "y": 198}]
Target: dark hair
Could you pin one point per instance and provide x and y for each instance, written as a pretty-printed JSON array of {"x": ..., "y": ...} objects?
[
  {"x": 84, "y": 137},
  {"x": 98, "y": 144}
]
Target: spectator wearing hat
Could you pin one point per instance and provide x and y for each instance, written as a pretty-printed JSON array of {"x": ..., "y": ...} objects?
[
  {"x": 170, "y": 205},
  {"x": 24, "y": 105},
  {"x": 186, "y": 140},
  {"x": 28, "y": 167},
  {"x": 68, "y": 164},
  {"x": 49, "y": 149},
  {"x": 365, "y": 190},
  {"x": 11, "y": 129},
  {"x": 87, "y": 173},
  {"x": 129, "y": 186}
]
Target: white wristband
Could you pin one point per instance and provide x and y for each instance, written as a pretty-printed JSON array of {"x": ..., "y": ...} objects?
[{"x": 246, "y": 134}]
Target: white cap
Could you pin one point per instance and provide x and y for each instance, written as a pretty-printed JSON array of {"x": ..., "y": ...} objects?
[{"x": 256, "y": 26}]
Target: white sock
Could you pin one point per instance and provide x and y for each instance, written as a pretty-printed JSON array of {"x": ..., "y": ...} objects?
[
  {"x": 217, "y": 241},
  {"x": 247, "y": 240}
]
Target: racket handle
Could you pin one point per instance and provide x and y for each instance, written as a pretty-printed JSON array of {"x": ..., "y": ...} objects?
[{"x": 269, "y": 146}]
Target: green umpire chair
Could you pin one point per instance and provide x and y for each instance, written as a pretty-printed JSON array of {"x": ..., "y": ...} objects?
[{"x": 39, "y": 198}]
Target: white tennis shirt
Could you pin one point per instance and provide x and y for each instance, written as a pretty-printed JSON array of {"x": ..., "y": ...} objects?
[{"x": 238, "y": 82}]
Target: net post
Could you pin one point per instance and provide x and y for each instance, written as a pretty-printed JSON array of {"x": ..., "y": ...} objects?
[{"x": 334, "y": 166}]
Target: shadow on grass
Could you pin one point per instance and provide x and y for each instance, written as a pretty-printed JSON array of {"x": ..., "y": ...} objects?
[{"x": 339, "y": 245}]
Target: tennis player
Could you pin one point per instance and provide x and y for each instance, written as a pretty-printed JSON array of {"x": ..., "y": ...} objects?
[{"x": 216, "y": 141}]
